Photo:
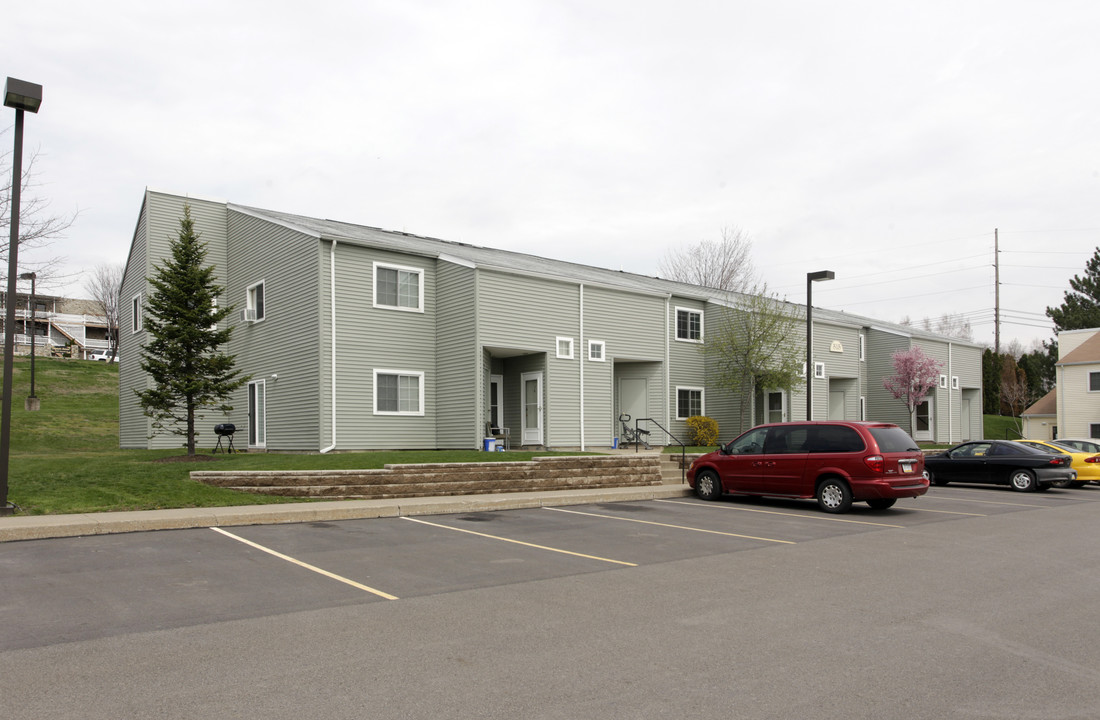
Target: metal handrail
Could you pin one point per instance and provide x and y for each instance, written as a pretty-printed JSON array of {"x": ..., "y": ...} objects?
[{"x": 676, "y": 441}]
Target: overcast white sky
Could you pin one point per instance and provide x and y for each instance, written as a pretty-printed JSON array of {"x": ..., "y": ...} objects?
[{"x": 879, "y": 140}]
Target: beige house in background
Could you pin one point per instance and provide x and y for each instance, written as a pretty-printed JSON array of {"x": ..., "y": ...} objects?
[{"x": 1072, "y": 409}]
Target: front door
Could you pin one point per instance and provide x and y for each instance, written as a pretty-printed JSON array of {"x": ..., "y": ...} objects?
[
  {"x": 531, "y": 392},
  {"x": 922, "y": 421},
  {"x": 777, "y": 406},
  {"x": 634, "y": 400},
  {"x": 836, "y": 404}
]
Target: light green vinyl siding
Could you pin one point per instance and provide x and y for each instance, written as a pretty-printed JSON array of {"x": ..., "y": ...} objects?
[
  {"x": 133, "y": 426},
  {"x": 630, "y": 326},
  {"x": 881, "y": 405},
  {"x": 458, "y": 391},
  {"x": 523, "y": 315},
  {"x": 287, "y": 342},
  {"x": 369, "y": 339},
  {"x": 159, "y": 226}
]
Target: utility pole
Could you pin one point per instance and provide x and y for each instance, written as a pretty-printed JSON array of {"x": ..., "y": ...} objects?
[{"x": 996, "y": 293}]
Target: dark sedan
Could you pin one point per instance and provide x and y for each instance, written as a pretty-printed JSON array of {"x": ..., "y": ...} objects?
[{"x": 1001, "y": 462}]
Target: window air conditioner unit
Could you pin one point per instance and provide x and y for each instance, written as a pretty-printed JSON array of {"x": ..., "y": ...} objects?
[{"x": 248, "y": 315}]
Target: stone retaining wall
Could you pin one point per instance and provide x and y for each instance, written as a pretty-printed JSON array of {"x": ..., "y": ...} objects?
[{"x": 435, "y": 479}]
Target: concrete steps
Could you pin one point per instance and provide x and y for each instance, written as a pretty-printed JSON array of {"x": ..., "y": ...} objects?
[{"x": 441, "y": 479}]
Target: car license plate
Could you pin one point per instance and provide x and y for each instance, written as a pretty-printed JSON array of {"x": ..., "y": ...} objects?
[{"x": 906, "y": 466}]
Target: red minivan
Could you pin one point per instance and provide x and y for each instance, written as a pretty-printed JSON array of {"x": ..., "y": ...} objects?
[{"x": 836, "y": 462}]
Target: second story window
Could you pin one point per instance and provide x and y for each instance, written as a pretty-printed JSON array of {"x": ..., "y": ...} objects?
[
  {"x": 254, "y": 302},
  {"x": 689, "y": 325},
  {"x": 399, "y": 288}
]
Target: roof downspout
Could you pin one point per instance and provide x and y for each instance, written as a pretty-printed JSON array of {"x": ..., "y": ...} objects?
[
  {"x": 950, "y": 394},
  {"x": 332, "y": 333},
  {"x": 583, "y": 353}
]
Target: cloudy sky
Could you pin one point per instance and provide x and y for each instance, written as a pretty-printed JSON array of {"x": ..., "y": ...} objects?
[{"x": 883, "y": 141}]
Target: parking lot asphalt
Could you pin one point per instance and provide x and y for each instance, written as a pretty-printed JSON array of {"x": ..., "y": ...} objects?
[{"x": 34, "y": 527}]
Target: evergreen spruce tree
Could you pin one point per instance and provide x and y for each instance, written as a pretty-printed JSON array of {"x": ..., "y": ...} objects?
[
  {"x": 1081, "y": 307},
  {"x": 189, "y": 373}
]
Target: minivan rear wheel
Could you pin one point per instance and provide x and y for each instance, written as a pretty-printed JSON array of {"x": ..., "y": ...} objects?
[
  {"x": 708, "y": 486},
  {"x": 834, "y": 496}
]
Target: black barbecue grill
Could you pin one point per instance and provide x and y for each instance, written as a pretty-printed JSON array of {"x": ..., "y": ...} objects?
[{"x": 225, "y": 430}]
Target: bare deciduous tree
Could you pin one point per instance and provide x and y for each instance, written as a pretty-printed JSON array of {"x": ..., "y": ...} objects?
[
  {"x": 37, "y": 228},
  {"x": 950, "y": 324},
  {"x": 104, "y": 286},
  {"x": 725, "y": 265}
]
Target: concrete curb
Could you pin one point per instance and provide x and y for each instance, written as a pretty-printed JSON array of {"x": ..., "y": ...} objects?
[{"x": 35, "y": 527}]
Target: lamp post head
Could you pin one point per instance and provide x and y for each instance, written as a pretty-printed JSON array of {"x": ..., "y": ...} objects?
[
  {"x": 22, "y": 95},
  {"x": 28, "y": 276},
  {"x": 820, "y": 275}
]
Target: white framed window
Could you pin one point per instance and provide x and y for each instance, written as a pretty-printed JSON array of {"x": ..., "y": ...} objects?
[
  {"x": 954, "y": 382},
  {"x": 943, "y": 381},
  {"x": 254, "y": 302},
  {"x": 862, "y": 347},
  {"x": 819, "y": 370},
  {"x": 213, "y": 312},
  {"x": 398, "y": 392},
  {"x": 689, "y": 325},
  {"x": 565, "y": 348},
  {"x": 689, "y": 402},
  {"x": 1094, "y": 430},
  {"x": 135, "y": 313},
  {"x": 1094, "y": 382},
  {"x": 257, "y": 413},
  {"x": 862, "y": 408},
  {"x": 398, "y": 287},
  {"x": 596, "y": 351}
]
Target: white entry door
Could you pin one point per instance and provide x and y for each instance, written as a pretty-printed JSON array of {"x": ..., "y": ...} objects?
[
  {"x": 633, "y": 399},
  {"x": 922, "y": 421},
  {"x": 836, "y": 404},
  {"x": 531, "y": 392},
  {"x": 776, "y": 406}
]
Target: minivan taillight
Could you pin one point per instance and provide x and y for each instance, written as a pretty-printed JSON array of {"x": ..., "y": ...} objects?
[{"x": 876, "y": 463}]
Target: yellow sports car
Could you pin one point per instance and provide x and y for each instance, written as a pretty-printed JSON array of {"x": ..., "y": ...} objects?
[{"x": 1086, "y": 464}]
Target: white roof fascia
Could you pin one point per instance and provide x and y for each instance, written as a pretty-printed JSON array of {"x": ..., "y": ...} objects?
[
  {"x": 454, "y": 260},
  {"x": 891, "y": 331}
]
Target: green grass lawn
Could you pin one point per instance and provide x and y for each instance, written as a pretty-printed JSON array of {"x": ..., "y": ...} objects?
[{"x": 65, "y": 457}]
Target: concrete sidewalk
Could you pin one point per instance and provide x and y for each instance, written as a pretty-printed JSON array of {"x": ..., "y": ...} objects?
[{"x": 32, "y": 527}]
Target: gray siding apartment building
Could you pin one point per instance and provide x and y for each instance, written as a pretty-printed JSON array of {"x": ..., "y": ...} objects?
[{"x": 362, "y": 339}]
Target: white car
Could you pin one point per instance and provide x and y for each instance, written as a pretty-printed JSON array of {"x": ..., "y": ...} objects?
[{"x": 102, "y": 355}]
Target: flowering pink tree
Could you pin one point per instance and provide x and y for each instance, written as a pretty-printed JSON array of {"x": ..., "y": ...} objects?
[{"x": 914, "y": 375}]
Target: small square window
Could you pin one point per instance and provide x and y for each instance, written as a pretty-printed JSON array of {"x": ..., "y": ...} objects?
[
  {"x": 819, "y": 370},
  {"x": 565, "y": 348},
  {"x": 943, "y": 381},
  {"x": 1094, "y": 382},
  {"x": 954, "y": 382},
  {"x": 596, "y": 350}
]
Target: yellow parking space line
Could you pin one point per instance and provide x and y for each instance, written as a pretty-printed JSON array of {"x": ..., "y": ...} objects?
[
  {"x": 779, "y": 512},
  {"x": 520, "y": 542},
  {"x": 677, "y": 527},
  {"x": 307, "y": 566}
]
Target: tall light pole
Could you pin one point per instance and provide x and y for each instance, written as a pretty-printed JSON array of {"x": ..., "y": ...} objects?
[
  {"x": 32, "y": 404},
  {"x": 20, "y": 95},
  {"x": 811, "y": 278}
]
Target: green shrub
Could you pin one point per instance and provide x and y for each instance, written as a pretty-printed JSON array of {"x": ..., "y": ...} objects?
[{"x": 703, "y": 430}]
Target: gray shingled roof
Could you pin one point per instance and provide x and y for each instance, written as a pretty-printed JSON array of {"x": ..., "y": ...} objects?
[{"x": 534, "y": 264}]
